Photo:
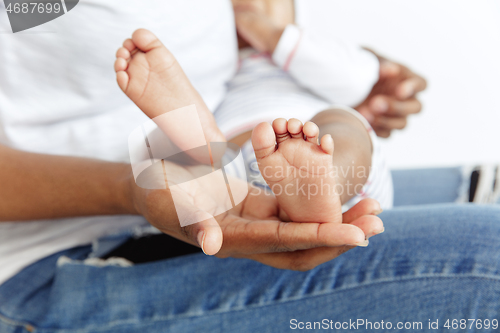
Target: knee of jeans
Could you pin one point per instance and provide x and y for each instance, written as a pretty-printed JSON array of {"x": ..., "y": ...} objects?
[
  {"x": 485, "y": 215},
  {"x": 444, "y": 220}
]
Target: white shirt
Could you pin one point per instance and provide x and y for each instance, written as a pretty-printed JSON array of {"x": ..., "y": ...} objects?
[{"x": 58, "y": 95}]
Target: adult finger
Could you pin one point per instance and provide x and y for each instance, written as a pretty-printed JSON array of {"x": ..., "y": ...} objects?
[
  {"x": 366, "y": 113},
  {"x": 364, "y": 207},
  {"x": 404, "y": 108},
  {"x": 390, "y": 123},
  {"x": 387, "y": 105},
  {"x": 410, "y": 87},
  {"x": 370, "y": 224},
  {"x": 274, "y": 236},
  {"x": 389, "y": 68},
  {"x": 303, "y": 260},
  {"x": 382, "y": 132}
]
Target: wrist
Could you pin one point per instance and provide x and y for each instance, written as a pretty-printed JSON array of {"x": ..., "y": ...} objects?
[
  {"x": 273, "y": 39},
  {"x": 124, "y": 190}
]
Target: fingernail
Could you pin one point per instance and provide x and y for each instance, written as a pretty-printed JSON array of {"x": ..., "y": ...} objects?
[
  {"x": 201, "y": 240},
  {"x": 380, "y": 105},
  {"x": 406, "y": 91},
  {"x": 378, "y": 212},
  {"x": 362, "y": 244},
  {"x": 375, "y": 233}
]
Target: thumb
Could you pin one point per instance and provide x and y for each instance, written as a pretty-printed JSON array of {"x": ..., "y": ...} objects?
[{"x": 207, "y": 234}]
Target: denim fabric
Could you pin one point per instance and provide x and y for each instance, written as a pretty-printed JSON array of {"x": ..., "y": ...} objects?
[
  {"x": 434, "y": 262},
  {"x": 426, "y": 186}
]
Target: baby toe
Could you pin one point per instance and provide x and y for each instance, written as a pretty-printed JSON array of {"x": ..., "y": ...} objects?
[
  {"x": 123, "y": 53},
  {"x": 122, "y": 79},
  {"x": 263, "y": 140},
  {"x": 145, "y": 40},
  {"x": 281, "y": 130},
  {"x": 295, "y": 128},
  {"x": 129, "y": 45},
  {"x": 327, "y": 144},
  {"x": 120, "y": 65},
  {"x": 311, "y": 132}
]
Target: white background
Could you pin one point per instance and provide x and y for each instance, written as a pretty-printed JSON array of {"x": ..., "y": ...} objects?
[{"x": 455, "y": 45}]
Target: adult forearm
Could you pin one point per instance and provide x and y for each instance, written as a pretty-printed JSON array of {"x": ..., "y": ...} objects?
[
  {"x": 35, "y": 186},
  {"x": 353, "y": 149}
]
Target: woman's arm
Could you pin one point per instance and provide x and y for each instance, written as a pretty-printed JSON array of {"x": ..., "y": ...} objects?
[{"x": 35, "y": 186}]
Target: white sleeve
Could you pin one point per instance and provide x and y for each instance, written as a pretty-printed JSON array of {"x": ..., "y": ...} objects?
[{"x": 334, "y": 70}]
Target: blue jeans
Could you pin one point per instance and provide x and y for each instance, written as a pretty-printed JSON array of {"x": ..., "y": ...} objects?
[
  {"x": 434, "y": 263},
  {"x": 426, "y": 186}
]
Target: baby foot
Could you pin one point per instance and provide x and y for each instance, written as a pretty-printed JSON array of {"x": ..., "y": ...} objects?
[
  {"x": 153, "y": 79},
  {"x": 298, "y": 170}
]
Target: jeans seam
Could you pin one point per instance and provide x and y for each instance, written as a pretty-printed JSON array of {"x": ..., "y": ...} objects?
[{"x": 114, "y": 324}]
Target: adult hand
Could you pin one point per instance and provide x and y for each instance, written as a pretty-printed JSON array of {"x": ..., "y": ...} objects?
[
  {"x": 254, "y": 231},
  {"x": 260, "y": 23},
  {"x": 255, "y": 228},
  {"x": 393, "y": 98}
]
